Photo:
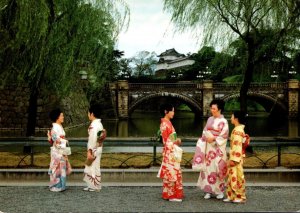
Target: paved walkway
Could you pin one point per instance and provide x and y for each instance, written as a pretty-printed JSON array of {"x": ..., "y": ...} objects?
[{"x": 142, "y": 199}]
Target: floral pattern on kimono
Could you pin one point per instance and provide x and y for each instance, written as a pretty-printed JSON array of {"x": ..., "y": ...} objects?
[
  {"x": 60, "y": 166},
  {"x": 170, "y": 170},
  {"x": 212, "y": 177},
  {"x": 236, "y": 179},
  {"x": 92, "y": 173}
]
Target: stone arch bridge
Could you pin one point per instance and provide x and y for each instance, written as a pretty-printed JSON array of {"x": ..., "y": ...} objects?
[{"x": 274, "y": 97}]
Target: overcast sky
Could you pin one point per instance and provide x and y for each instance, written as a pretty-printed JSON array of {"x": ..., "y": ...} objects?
[{"x": 150, "y": 29}]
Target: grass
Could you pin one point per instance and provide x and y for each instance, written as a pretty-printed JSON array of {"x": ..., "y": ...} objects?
[{"x": 139, "y": 160}]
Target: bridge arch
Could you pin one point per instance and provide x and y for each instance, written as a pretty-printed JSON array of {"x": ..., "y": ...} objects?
[
  {"x": 195, "y": 107},
  {"x": 270, "y": 104}
]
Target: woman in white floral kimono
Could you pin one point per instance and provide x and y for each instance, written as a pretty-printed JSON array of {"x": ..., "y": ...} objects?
[
  {"x": 214, "y": 138},
  {"x": 59, "y": 164},
  {"x": 92, "y": 173}
]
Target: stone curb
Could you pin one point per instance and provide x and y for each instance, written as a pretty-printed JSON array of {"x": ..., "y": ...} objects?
[{"x": 142, "y": 176}]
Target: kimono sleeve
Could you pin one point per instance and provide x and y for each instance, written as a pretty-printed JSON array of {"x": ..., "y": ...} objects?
[
  {"x": 221, "y": 139},
  {"x": 92, "y": 141},
  {"x": 203, "y": 137},
  {"x": 164, "y": 132},
  {"x": 93, "y": 135},
  {"x": 235, "y": 153},
  {"x": 55, "y": 136}
]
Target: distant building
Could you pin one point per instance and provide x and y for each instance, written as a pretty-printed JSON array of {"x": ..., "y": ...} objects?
[{"x": 171, "y": 59}]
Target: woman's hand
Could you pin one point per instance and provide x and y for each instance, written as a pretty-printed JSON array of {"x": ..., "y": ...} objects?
[
  {"x": 178, "y": 141},
  {"x": 231, "y": 163},
  {"x": 210, "y": 139},
  {"x": 90, "y": 155}
]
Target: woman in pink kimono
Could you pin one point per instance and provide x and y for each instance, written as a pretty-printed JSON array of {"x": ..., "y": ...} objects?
[
  {"x": 236, "y": 180},
  {"x": 92, "y": 173},
  {"x": 214, "y": 138},
  {"x": 170, "y": 170},
  {"x": 59, "y": 164}
]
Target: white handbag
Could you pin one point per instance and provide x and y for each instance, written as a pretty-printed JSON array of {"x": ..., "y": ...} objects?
[
  {"x": 177, "y": 153},
  {"x": 67, "y": 150}
]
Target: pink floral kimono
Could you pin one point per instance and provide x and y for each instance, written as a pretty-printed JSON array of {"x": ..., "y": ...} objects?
[
  {"x": 170, "y": 170},
  {"x": 212, "y": 176},
  {"x": 236, "y": 179},
  {"x": 60, "y": 166}
]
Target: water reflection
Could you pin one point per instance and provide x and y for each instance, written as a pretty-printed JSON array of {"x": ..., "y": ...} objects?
[
  {"x": 293, "y": 129},
  {"x": 147, "y": 124}
]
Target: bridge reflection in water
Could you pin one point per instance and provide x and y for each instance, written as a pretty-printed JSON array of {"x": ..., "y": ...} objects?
[{"x": 147, "y": 124}]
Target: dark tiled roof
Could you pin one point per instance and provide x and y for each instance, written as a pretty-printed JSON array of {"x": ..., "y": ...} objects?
[{"x": 171, "y": 52}]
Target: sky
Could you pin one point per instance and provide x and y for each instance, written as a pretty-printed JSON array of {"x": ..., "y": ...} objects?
[{"x": 150, "y": 29}]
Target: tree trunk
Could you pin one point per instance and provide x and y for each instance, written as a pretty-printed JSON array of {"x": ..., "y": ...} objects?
[
  {"x": 247, "y": 77},
  {"x": 32, "y": 113},
  {"x": 34, "y": 91}
]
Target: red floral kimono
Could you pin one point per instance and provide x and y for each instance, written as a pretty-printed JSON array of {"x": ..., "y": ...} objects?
[{"x": 170, "y": 170}]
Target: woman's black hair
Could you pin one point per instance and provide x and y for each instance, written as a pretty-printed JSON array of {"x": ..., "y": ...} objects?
[
  {"x": 166, "y": 107},
  {"x": 54, "y": 114},
  {"x": 220, "y": 103},
  {"x": 241, "y": 116},
  {"x": 96, "y": 110}
]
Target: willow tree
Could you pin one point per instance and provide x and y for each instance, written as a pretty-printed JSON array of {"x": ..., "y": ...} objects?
[
  {"x": 44, "y": 43},
  {"x": 222, "y": 21},
  {"x": 143, "y": 63}
]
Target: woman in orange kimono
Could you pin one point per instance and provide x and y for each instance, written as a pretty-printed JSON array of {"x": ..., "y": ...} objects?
[
  {"x": 170, "y": 170},
  {"x": 236, "y": 179}
]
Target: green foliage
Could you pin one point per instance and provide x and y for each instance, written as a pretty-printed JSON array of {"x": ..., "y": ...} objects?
[
  {"x": 233, "y": 79},
  {"x": 202, "y": 61},
  {"x": 296, "y": 62},
  {"x": 47, "y": 42},
  {"x": 125, "y": 70},
  {"x": 220, "y": 64},
  {"x": 222, "y": 21},
  {"x": 224, "y": 65},
  {"x": 225, "y": 20},
  {"x": 267, "y": 59},
  {"x": 234, "y": 104},
  {"x": 183, "y": 107},
  {"x": 144, "y": 63}
]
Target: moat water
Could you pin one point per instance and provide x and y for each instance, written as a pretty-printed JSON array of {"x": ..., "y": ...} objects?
[{"x": 146, "y": 124}]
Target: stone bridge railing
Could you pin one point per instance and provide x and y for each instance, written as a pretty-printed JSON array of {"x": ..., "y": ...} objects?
[
  {"x": 124, "y": 94},
  {"x": 160, "y": 86},
  {"x": 184, "y": 85},
  {"x": 261, "y": 86}
]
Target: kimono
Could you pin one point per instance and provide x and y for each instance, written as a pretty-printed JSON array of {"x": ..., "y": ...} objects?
[
  {"x": 212, "y": 176},
  {"x": 92, "y": 173},
  {"x": 170, "y": 171},
  {"x": 60, "y": 166},
  {"x": 236, "y": 179}
]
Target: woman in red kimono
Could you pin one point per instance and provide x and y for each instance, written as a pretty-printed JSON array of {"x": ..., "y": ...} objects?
[{"x": 170, "y": 170}]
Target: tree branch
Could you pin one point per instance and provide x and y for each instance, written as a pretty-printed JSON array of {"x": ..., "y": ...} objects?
[{"x": 219, "y": 10}]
